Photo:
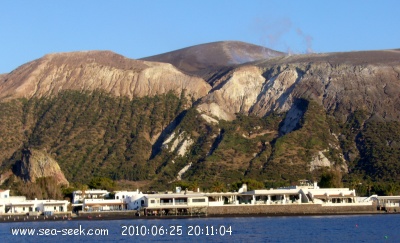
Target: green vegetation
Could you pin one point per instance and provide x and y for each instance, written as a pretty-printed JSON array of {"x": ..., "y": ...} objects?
[
  {"x": 42, "y": 188},
  {"x": 379, "y": 146},
  {"x": 102, "y": 183},
  {"x": 99, "y": 140},
  {"x": 331, "y": 179},
  {"x": 291, "y": 153}
]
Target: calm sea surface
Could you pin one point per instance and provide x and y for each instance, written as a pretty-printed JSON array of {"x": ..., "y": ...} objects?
[{"x": 358, "y": 228}]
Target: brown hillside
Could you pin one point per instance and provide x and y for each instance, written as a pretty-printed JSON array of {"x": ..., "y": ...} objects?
[
  {"x": 198, "y": 59},
  {"x": 97, "y": 70}
]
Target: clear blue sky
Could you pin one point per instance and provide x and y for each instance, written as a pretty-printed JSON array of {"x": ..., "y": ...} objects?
[{"x": 139, "y": 28}]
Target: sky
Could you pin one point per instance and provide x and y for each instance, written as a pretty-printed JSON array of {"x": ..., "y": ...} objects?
[{"x": 140, "y": 28}]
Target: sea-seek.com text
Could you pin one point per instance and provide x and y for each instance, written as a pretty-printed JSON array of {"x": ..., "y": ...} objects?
[{"x": 60, "y": 231}]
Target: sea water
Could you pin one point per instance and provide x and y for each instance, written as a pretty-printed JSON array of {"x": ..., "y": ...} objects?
[{"x": 353, "y": 228}]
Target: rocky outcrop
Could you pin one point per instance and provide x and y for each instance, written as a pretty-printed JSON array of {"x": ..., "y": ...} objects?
[
  {"x": 239, "y": 92},
  {"x": 341, "y": 82},
  {"x": 35, "y": 164},
  {"x": 319, "y": 161},
  {"x": 98, "y": 70},
  {"x": 180, "y": 144}
]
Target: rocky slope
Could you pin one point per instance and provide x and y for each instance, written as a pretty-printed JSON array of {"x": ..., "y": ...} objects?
[
  {"x": 36, "y": 164},
  {"x": 341, "y": 82},
  {"x": 276, "y": 120},
  {"x": 97, "y": 70}
]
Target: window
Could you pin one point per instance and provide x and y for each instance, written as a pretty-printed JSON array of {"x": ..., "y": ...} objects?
[
  {"x": 180, "y": 200},
  {"x": 152, "y": 201},
  {"x": 198, "y": 200},
  {"x": 23, "y": 208}
]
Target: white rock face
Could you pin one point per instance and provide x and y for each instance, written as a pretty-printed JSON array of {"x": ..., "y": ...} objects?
[
  {"x": 238, "y": 94},
  {"x": 180, "y": 143},
  {"x": 209, "y": 119},
  {"x": 182, "y": 171},
  {"x": 320, "y": 160},
  {"x": 216, "y": 110},
  {"x": 169, "y": 139},
  {"x": 275, "y": 95},
  {"x": 291, "y": 120},
  {"x": 182, "y": 150},
  {"x": 177, "y": 141},
  {"x": 247, "y": 91}
]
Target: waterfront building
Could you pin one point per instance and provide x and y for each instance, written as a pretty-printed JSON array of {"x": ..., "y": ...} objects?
[
  {"x": 101, "y": 204},
  {"x": 79, "y": 196},
  {"x": 388, "y": 203},
  {"x": 132, "y": 200},
  {"x": 175, "y": 200},
  {"x": 180, "y": 202},
  {"x": 19, "y": 204},
  {"x": 189, "y": 202},
  {"x": 271, "y": 196},
  {"x": 123, "y": 200}
]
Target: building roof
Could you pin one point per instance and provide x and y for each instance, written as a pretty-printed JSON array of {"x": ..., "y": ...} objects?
[
  {"x": 332, "y": 195},
  {"x": 175, "y": 195},
  {"x": 174, "y": 206},
  {"x": 22, "y": 204},
  {"x": 389, "y": 197},
  {"x": 54, "y": 203},
  {"x": 103, "y": 203},
  {"x": 272, "y": 192},
  {"x": 212, "y": 194}
]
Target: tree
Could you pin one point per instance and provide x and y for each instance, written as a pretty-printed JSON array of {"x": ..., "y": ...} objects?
[
  {"x": 218, "y": 187},
  {"x": 331, "y": 179},
  {"x": 102, "y": 183},
  {"x": 391, "y": 189}
]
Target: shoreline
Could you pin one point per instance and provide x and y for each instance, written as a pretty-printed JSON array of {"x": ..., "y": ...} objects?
[{"x": 107, "y": 216}]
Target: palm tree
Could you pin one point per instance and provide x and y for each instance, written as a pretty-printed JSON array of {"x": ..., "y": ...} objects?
[
  {"x": 218, "y": 187},
  {"x": 391, "y": 189}
]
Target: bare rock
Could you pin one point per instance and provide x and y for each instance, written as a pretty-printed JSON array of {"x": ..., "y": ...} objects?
[
  {"x": 341, "y": 82},
  {"x": 98, "y": 70},
  {"x": 35, "y": 164}
]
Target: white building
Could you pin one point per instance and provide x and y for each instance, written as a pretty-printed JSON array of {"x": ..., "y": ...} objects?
[
  {"x": 175, "y": 200},
  {"x": 388, "y": 203},
  {"x": 4, "y": 194},
  {"x": 124, "y": 200},
  {"x": 100, "y": 204},
  {"x": 272, "y": 196},
  {"x": 329, "y": 196},
  {"x": 188, "y": 201},
  {"x": 79, "y": 196},
  {"x": 19, "y": 204},
  {"x": 133, "y": 200}
]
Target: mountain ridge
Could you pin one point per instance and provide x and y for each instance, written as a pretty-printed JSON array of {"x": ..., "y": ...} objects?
[
  {"x": 92, "y": 70},
  {"x": 204, "y": 59},
  {"x": 276, "y": 120}
]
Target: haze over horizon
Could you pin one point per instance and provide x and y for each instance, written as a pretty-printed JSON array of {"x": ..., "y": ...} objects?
[{"x": 139, "y": 29}]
